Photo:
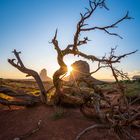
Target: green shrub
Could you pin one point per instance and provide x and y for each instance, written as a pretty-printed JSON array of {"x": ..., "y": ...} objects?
[{"x": 58, "y": 114}]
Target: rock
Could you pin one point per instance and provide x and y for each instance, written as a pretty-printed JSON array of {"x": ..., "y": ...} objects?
[
  {"x": 136, "y": 78},
  {"x": 81, "y": 70},
  {"x": 43, "y": 75}
]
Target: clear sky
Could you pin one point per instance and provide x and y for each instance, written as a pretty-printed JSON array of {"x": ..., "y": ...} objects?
[{"x": 29, "y": 25}]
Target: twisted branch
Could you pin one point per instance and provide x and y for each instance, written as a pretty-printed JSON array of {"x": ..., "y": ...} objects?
[{"x": 20, "y": 66}]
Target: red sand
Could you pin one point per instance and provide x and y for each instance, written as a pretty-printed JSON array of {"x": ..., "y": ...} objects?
[{"x": 18, "y": 122}]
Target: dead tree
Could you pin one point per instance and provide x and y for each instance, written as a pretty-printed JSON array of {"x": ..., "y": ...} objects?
[
  {"x": 122, "y": 115},
  {"x": 116, "y": 117},
  {"x": 120, "y": 123},
  {"x": 20, "y": 66},
  {"x": 115, "y": 120},
  {"x": 73, "y": 48}
]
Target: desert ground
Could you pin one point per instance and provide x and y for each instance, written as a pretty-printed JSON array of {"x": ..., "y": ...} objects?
[{"x": 55, "y": 123}]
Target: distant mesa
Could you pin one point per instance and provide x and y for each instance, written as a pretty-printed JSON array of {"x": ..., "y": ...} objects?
[
  {"x": 136, "y": 77},
  {"x": 43, "y": 75},
  {"x": 81, "y": 69}
]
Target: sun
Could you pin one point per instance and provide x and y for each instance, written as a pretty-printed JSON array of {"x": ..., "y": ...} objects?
[{"x": 70, "y": 69}]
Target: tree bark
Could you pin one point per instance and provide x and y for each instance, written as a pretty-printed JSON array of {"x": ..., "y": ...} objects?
[{"x": 19, "y": 99}]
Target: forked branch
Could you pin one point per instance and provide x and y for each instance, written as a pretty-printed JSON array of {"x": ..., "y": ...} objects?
[
  {"x": 20, "y": 66},
  {"x": 106, "y": 28},
  {"x": 63, "y": 67},
  {"x": 81, "y": 25}
]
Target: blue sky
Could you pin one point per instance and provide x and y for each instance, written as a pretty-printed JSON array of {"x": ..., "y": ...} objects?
[{"x": 29, "y": 25}]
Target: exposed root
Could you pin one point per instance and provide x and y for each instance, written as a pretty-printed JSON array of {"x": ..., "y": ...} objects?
[
  {"x": 19, "y": 99},
  {"x": 17, "y": 103},
  {"x": 28, "y": 134},
  {"x": 135, "y": 100},
  {"x": 129, "y": 135},
  {"x": 103, "y": 126}
]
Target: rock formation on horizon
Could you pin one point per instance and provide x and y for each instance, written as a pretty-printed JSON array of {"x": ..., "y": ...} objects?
[
  {"x": 43, "y": 75},
  {"x": 81, "y": 69},
  {"x": 136, "y": 77}
]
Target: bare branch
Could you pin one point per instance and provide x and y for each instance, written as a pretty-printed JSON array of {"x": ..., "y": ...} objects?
[
  {"x": 55, "y": 42},
  {"x": 18, "y": 58},
  {"x": 103, "y": 126},
  {"x": 20, "y": 66},
  {"x": 105, "y": 28},
  {"x": 118, "y": 58},
  {"x": 93, "y": 6},
  {"x": 99, "y": 67},
  {"x": 89, "y": 12}
]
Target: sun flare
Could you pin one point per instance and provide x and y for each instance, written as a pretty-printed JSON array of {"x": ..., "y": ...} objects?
[{"x": 70, "y": 68}]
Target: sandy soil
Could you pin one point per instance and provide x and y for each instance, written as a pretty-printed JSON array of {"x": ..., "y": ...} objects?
[{"x": 15, "y": 123}]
